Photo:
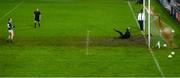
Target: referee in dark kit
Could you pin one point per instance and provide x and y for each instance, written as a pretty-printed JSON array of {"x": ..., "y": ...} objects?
[{"x": 37, "y": 17}]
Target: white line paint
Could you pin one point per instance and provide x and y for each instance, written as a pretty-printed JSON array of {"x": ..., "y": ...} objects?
[
  {"x": 13, "y": 9},
  {"x": 150, "y": 49},
  {"x": 157, "y": 63},
  {"x": 87, "y": 42},
  {"x": 134, "y": 16}
]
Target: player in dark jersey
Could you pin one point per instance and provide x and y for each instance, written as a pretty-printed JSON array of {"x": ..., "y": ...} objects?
[
  {"x": 125, "y": 35},
  {"x": 139, "y": 2},
  {"x": 37, "y": 17},
  {"x": 10, "y": 31}
]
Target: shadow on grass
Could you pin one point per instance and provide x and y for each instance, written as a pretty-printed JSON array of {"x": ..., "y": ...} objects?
[{"x": 76, "y": 41}]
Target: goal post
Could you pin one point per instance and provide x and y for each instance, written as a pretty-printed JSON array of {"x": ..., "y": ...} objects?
[
  {"x": 149, "y": 24},
  {"x": 146, "y": 11}
]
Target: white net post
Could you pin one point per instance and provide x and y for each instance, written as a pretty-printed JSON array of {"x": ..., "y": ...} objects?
[
  {"x": 149, "y": 24},
  {"x": 144, "y": 11},
  {"x": 146, "y": 8}
]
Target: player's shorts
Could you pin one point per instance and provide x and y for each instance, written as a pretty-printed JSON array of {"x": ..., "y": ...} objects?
[
  {"x": 37, "y": 20},
  {"x": 10, "y": 31}
]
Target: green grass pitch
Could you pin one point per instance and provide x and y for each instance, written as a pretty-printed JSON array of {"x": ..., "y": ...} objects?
[{"x": 59, "y": 46}]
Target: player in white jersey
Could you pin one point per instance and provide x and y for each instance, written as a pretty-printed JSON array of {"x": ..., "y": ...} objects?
[{"x": 10, "y": 31}]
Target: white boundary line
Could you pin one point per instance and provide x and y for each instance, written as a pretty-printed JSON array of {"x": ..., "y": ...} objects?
[
  {"x": 87, "y": 42},
  {"x": 150, "y": 49},
  {"x": 10, "y": 11},
  {"x": 133, "y": 13}
]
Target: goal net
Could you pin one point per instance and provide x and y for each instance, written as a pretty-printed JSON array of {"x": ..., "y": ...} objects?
[{"x": 158, "y": 33}]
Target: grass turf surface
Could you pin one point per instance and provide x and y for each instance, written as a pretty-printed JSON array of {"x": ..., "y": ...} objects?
[{"x": 58, "y": 47}]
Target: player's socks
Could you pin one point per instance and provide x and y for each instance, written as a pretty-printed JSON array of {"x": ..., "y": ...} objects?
[
  {"x": 34, "y": 25},
  {"x": 39, "y": 24},
  {"x": 7, "y": 41}
]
